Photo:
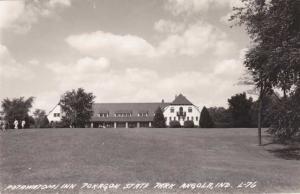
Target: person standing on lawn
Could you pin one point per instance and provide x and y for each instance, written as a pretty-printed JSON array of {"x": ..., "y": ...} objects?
[
  {"x": 16, "y": 123},
  {"x": 23, "y": 124}
]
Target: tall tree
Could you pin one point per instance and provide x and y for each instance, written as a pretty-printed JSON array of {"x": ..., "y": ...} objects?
[
  {"x": 77, "y": 107},
  {"x": 273, "y": 60},
  {"x": 205, "y": 119},
  {"x": 159, "y": 119},
  {"x": 17, "y": 109},
  {"x": 40, "y": 118},
  {"x": 221, "y": 117},
  {"x": 240, "y": 109}
]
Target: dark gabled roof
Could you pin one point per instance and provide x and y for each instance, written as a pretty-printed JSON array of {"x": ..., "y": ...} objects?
[
  {"x": 134, "y": 108},
  {"x": 181, "y": 100}
]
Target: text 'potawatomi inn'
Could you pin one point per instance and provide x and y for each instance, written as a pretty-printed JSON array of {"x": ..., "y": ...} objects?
[{"x": 138, "y": 114}]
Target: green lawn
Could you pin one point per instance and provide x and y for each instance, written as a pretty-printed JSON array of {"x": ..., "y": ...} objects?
[{"x": 55, "y": 156}]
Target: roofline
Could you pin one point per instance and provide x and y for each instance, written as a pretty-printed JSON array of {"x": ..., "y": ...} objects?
[{"x": 132, "y": 103}]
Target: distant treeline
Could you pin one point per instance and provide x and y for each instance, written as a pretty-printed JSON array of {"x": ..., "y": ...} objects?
[{"x": 242, "y": 112}]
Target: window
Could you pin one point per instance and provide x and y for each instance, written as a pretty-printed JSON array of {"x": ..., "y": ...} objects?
[
  {"x": 192, "y": 118},
  {"x": 196, "y": 118},
  {"x": 190, "y": 109},
  {"x": 56, "y": 114},
  {"x": 170, "y": 118},
  {"x": 144, "y": 114},
  {"x": 180, "y": 109},
  {"x": 174, "y": 118},
  {"x": 103, "y": 115},
  {"x": 123, "y": 114},
  {"x": 188, "y": 118},
  {"x": 172, "y": 110}
]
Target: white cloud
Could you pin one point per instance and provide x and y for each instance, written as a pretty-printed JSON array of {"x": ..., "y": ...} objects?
[
  {"x": 110, "y": 45},
  {"x": 197, "y": 39},
  {"x": 142, "y": 84},
  {"x": 54, "y": 3},
  {"x": 9, "y": 12},
  {"x": 21, "y": 15},
  {"x": 167, "y": 26},
  {"x": 178, "y": 7},
  {"x": 190, "y": 7},
  {"x": 84, "y": 67},
  {"x": 85, "y": 70},
  {"x": 10, "y": 68}
]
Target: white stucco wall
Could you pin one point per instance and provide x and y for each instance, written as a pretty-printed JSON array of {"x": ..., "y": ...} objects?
[
  {"x": 194, "y": 115},
  {"x": 53, "y": 114}
]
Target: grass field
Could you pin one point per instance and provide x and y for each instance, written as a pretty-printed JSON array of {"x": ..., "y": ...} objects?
[{"x": 55, "y": 156}]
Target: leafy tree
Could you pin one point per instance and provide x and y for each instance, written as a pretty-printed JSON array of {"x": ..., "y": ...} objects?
[
  {"x": 267, "y": 108},
  {"x": 29, "y": 122},
  {"x": 159, "y": 119},
  {"x": 205, "y": 119},
  {"x": 17, "y": 108},
  {"x": 273, "y": 61},
  {"x": 240, "y": 109},
  {"x": 188, "y": 124},
  {"x": 40, "y": 118},
  {"x": 221, "y": 117},
  {"x": 285, "y": 117},
  {"x": 77, "y": 107},
  {"x": 174, "y": 124}
]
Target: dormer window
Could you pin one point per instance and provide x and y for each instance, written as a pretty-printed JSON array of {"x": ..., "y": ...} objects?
[
  {"x": 102, "y": 114},
  {"x": 143, "y": 114},
  {"x": 123, "y": 114}
]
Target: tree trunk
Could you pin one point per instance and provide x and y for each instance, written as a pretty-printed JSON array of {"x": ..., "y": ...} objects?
[{"x": 259, "y": 115}]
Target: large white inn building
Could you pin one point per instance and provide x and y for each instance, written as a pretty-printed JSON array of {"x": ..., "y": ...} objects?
[{"x": 137, "y": 114}]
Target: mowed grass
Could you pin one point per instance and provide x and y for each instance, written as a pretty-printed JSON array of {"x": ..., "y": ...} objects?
[{"x": 53, "y": 156}]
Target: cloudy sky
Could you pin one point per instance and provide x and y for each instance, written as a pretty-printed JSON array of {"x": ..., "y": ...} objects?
[{"x": 121, "y": 50}]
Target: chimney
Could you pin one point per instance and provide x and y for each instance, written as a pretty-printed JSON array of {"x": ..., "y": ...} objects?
[{"x": 162, "y": 101}]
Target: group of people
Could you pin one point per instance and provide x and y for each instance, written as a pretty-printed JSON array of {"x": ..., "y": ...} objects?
[{"x": 16, "y": 124}]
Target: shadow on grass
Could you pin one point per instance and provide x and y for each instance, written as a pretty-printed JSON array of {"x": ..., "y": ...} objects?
[
  {"x": 291, "y": 153},
  {"x": 288, "y": 150}
]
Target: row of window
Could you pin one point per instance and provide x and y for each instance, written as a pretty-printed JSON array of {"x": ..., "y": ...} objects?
[
  {"x": 187, "y": 118},
  {"x": 190, "y": 109},
  {"x": 123, "y": 115}
]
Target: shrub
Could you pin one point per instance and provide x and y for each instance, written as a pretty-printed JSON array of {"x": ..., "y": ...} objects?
[
  {"x": 44, "y": 122},
  {"x": 205, "y": 119},
  {"x": 60, "y": 124},
  {"x": 188, "y": 124},
  {"x": 175, "y": 124}
]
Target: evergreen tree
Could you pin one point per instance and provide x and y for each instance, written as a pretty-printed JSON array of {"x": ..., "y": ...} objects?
[
  {"x": 159, "y": 119},
  {"x": 240, "y": 109},
  {"x": 205, "y": 119}
]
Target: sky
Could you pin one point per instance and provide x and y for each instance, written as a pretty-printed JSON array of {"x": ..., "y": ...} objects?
[{"x": 121, "y": 50}]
